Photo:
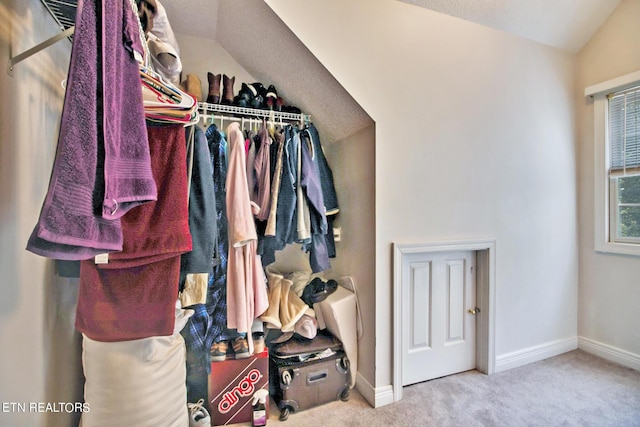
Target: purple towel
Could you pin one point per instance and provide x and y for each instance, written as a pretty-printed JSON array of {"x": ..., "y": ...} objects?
[{"x": 102, "y": 166}]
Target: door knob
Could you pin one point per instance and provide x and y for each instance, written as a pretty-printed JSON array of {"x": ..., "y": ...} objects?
[{"x": 474, "y": 310}]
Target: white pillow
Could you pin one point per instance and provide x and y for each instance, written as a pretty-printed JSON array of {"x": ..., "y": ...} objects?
[{"x": 136, "y": 383}]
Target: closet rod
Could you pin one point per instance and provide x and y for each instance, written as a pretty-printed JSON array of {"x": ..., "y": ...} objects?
[
  {"x": 45, "y": 44},
  {"x": 249, "y": 120},
  {"x": 205, "y": 108}
]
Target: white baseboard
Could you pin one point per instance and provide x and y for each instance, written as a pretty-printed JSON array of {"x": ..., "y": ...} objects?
[
  {"x": 613, "y": 354},
  {"x": 382, "y": 396},
  {"x": 376, "y": 397},
  {"x": 535, "y": 354}
]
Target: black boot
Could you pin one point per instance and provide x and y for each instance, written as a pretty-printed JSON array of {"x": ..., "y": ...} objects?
[
  {"x": 243, "y": 99},
  {"x": 317, "y": 291}
]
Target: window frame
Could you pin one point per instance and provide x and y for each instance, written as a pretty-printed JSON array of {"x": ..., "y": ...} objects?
[
  {"x": 614, "y": 208},
  {"x": 602, "y": 190}
]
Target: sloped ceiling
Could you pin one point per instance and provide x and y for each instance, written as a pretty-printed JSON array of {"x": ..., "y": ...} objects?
[
  {"x": 260, "y": 42},
  {"x": 565, "y": 24},
  {"x": 269, "y": 51}
]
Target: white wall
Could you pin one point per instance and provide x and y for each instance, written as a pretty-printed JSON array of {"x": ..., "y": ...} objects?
[
  {"x": 474, "y": 137},
  {"x": 352, "y": 160},
  {"x": 39, "y": 350},
  {"x": 609, "y": 296},
  {"x": 200, "y": 56}
]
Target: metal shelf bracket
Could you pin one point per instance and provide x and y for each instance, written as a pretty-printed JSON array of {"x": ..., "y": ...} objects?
[{"x": 45, "y": 44}]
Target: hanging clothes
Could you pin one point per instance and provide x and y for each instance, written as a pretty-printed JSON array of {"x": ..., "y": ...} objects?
[
  {"x": 329, "y": 196},
  {"x": 279, "y": 230},
  {"x": 202, "y": 208},
  {"x": 196, "y": 266},
  {"x": 286, "y": 213},
  {"x": 270, "y": 229},
  {"x": 262, "y": 167},
  {"x": 102, "y": 167},
  {"x": 302, "y": 217},
  {"x": 292, "y": 178},
  {"x": 246, "y": 282},
  {"x": 198, "y": 347},
  {"x": 251, "y": 172},
  {"x": 217, "y": 289},
  {"x": 310, "y": 182}
]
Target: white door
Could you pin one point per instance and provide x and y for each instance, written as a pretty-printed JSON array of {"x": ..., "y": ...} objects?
[{"x": 439, "y": 324}]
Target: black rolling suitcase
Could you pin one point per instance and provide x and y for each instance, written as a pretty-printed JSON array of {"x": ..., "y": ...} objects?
[{"x": 307, "y": 373}]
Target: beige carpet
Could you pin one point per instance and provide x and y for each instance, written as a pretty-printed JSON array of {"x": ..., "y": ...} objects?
[{"x": 573, "y": 389}]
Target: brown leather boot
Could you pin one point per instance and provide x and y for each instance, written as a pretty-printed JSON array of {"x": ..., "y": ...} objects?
[
  {"x": 214, "y": 88},
  {"x": 193, "y": 86},
  {"x": 227, "y": 89}
]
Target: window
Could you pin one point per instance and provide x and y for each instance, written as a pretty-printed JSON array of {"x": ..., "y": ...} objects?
[
  {"x": 623, "y": 138},
  {"x": 617, "y": 164}
]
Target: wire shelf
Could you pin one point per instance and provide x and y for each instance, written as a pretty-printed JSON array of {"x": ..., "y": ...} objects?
[{"x": 205, "y": 108}]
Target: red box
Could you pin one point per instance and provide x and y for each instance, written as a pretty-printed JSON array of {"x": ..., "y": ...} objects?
[{"x": 232, "y": 384}]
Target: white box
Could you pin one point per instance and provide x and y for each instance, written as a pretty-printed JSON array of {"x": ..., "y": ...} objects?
[{"x": 338, "y": 314}]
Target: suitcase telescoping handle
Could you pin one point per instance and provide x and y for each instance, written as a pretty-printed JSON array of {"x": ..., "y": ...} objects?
[{"x": 317, "y": 377}]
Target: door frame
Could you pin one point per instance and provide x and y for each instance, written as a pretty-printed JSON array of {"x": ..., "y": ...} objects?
[{"x": 485, "y": 249}]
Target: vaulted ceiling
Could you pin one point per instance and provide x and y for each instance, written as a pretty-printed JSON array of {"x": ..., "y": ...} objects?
[
  {"x": 565, "y": 24},
  {"x": 234, "y": 24},
  {"x": 269, "y": 51}
]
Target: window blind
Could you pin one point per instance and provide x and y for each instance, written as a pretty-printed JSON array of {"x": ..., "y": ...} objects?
[{"x": 624, "y": 133}]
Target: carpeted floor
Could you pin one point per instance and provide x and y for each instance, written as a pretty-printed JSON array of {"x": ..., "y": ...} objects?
[{"x": 573, "y": 389}]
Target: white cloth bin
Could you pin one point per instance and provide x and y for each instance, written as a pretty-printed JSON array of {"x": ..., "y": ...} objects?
[{"x": 339, "y": 315}]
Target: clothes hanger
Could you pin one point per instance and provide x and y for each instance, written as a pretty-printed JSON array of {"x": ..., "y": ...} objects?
[
  {"x": 272, "y": 126},
  {"x": 206, "y": 115}
]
